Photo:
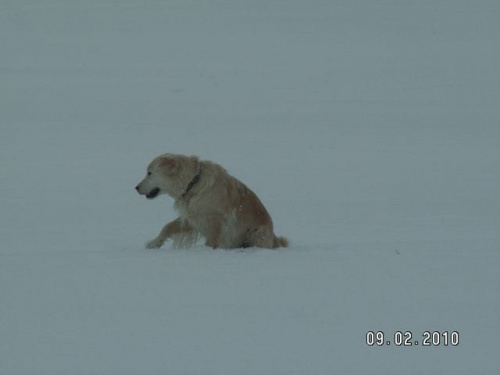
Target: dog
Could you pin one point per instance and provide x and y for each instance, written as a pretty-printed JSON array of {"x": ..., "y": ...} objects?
[{"x": 211, "y": 204}]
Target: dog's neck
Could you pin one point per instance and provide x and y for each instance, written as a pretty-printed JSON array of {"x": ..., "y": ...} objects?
[{"x": 192, "y": 183}]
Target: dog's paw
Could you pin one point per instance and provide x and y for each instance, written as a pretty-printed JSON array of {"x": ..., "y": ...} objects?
[{"x": 155, "y": 244}]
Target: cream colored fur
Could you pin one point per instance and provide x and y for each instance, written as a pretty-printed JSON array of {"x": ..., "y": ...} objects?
[{"x": 211, "y": 204}]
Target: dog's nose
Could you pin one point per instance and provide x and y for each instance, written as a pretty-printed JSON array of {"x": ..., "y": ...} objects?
[{"x": 137, "y": 188}]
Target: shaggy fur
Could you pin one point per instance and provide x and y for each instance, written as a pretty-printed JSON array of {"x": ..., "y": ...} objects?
[{"x": 211, "y": 204}]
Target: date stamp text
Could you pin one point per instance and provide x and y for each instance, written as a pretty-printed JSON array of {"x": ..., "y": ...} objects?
[{"x": 407, "y": 338}]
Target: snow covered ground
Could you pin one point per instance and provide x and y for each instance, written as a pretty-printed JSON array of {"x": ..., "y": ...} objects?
[{"x": 370, "y": 130}]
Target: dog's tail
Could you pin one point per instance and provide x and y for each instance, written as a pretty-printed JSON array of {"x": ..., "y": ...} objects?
[{"x": 280, "y": 242}]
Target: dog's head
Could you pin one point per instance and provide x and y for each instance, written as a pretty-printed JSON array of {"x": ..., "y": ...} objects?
[{"x": 168, "y": 174}]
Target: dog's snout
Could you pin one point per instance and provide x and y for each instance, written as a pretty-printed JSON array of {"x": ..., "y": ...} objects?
[{"x": 137, "y": 188}]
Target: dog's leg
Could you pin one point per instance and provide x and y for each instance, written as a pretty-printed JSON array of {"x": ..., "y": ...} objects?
[
  {"x": 212, "y": 238},
  {"x": 260, "y": 236},
  {"x": 174, "y": 227},
  {"x": 212, "y": 241}
]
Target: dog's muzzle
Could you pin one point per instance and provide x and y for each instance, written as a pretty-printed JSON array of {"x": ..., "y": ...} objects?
[{"x": 153, "y": 193}]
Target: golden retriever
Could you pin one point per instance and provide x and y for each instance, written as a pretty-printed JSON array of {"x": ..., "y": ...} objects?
[{"x": 211, "y": 204}]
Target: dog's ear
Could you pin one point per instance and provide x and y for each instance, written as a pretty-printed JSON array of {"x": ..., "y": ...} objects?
[{"x": 169, "y": 165}]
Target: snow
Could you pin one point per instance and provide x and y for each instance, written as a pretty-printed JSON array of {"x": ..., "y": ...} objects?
[{"x": 370, "y": 130}]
